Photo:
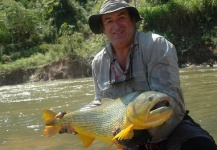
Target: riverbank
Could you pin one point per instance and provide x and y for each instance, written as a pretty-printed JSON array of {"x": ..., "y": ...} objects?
[
  {"x": 66, "y": 69},
  {"x": 29, "y": 45},
  {"x": 62, "y": 69}
]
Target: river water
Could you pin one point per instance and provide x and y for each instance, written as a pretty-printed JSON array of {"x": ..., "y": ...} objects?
[{"x": 22, "y": 125}]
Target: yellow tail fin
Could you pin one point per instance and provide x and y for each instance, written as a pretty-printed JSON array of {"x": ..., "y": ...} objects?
[{"x": 49, "y": 119}]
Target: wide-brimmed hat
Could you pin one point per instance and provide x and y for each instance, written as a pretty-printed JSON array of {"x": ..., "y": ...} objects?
[{"x": 107, "y": 7}]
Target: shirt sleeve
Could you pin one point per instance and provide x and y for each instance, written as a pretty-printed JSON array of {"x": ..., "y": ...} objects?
[
  {"x": 163, "y": 71},
  {"x": 98, "y": 95}
]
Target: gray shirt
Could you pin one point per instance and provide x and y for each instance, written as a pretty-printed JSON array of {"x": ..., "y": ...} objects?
[{"x": 154, "y": 67}]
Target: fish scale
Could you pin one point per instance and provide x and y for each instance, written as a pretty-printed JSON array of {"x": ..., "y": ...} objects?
[{"x": 100, "y": 117}]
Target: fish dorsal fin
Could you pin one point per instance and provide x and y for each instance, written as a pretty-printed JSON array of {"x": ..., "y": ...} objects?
[
  {"x": 125, "y": 133},
  {"x": 87, "y": 141}
]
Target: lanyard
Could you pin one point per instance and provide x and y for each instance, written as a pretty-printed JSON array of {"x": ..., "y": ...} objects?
[{"x": 128, "y": 72}]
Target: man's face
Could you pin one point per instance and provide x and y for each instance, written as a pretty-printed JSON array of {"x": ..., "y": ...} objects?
[{"x": 118, "y": 27}]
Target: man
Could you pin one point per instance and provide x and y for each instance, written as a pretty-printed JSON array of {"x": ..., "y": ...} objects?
[{"x": 136, "y": 61}]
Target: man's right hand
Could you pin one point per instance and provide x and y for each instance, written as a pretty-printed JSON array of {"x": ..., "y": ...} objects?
[
  {"x": 66, "y": 127},
  {"x": 141, "y": 137}
]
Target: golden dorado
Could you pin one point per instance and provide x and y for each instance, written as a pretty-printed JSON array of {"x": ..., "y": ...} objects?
[{"x": 133, "y": 111}]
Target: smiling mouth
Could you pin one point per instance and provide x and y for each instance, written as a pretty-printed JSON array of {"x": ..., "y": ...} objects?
[
  {"x": 119, "y": 34},
  {"x": 118, "y": 30}
]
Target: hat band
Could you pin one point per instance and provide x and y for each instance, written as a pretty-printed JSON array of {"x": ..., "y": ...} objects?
[{"x": 111, "y": 7}]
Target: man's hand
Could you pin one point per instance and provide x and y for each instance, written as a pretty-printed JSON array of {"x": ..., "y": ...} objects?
[
  {"x": 140, "y": 137},
  {"x": 66, "y": 128}
]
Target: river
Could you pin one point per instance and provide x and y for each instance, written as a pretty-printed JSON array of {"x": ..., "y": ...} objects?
[{"x": 22, "y": 125}]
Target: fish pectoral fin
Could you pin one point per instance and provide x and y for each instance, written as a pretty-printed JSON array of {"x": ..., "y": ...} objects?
[
  {"x": 87, "y": 141},
  {"x": 125, "y": 133},
  {"x": 51, "y": 130}
]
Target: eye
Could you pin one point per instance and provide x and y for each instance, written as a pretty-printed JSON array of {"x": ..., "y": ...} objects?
[
  {"x": 122, "y": 17},
  {"x": 108, "y": 21}
]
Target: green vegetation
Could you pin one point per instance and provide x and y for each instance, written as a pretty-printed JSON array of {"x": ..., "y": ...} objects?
[
  {"x": 38, "y": 32},
  {"x": 183, "y": 22}
]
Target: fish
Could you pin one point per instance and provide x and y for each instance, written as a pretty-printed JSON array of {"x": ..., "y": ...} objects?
[{"x": 135, "y": 111}]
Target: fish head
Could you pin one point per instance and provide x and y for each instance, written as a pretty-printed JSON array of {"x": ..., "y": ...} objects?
[{"x": 149, "y": 109}]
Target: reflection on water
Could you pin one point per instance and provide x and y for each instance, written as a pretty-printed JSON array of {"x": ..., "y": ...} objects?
[{"x": 21, "y": 122}]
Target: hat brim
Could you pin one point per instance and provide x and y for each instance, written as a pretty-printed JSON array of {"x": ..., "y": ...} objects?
[{"x": 95, "y": 20}]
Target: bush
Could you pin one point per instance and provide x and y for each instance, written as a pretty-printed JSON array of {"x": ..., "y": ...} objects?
[
  {"x": 36, "y": 32},
  {"x": 180, "y": 20}
]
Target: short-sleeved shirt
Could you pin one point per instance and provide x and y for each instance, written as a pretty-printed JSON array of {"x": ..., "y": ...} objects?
[{"x": 154, "y": 66}]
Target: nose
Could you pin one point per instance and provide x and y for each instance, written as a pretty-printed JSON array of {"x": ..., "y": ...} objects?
[{"x": 116, "y": 24}]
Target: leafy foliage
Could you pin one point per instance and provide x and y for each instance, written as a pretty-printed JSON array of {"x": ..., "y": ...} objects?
[
  {"x": 183, "y": 22},
  {"x": 37, "y": 32}
]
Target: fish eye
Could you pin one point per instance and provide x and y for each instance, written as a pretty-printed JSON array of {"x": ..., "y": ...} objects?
[{"x": 150, "y": 98}]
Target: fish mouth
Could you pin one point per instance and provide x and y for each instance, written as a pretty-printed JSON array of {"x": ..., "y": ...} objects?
[
  {"x": 162, "y": 103},
  {"x": 158, "y": 105},
  {"x": 158, "y": 112},
  {"x": 150, "y": 112}
]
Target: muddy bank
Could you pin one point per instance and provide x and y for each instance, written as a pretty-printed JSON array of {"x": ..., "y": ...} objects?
[
  {"x": 66, "y": 68},
  {"x": 63, "y": 69}
]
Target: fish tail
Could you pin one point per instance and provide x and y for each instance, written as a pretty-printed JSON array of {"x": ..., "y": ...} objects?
[{"x": 51, "y": 127}]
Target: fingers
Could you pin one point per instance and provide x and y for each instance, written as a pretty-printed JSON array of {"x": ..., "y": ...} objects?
[
  {"x": 66, "y": 128},
  {"x": 60, "y": 114},
  {"x": 71, "y": 130},
  {"x": 116, "y": 130}
]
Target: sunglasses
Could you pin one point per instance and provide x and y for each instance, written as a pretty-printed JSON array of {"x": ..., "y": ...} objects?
[{"x": 128, "y": 73}]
